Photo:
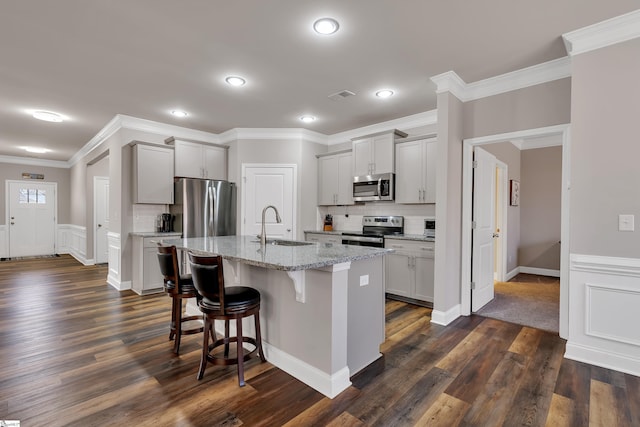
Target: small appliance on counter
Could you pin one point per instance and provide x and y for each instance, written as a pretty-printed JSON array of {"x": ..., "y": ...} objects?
[
  {"x": 430, "y": 228},
  {"x": 164, "y": 223},
  {"x": 328, "y": 223}
]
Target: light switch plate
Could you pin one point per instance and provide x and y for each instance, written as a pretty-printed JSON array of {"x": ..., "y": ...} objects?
[
  {"x": 364, "y": 280},
  {"x": 626, "y": 223}
]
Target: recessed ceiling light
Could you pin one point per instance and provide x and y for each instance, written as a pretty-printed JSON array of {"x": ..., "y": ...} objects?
[
  {"x": 179, "y": 113},
  {"x": 48, "y": 116},
  {"x": 385, "y": 93},
  {"x": 308, "y": 119},
  {"x": 36, "y": 150},
  {"x": 235, "y": 81},
  {"x": 326, "y": 26}
]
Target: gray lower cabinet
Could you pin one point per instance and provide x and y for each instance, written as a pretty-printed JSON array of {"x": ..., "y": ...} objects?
[
  {"x": 323, "y": 238},
  {"x": 409, "y": 270},
  {"x": 146, "y": 278}
]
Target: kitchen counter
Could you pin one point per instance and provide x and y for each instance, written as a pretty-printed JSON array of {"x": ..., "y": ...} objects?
[
  {"x": 246, "y": 249},
  {"x": 322, "y": 304},
  {"x": 155, "y": 233},
  {"x": 416, "y": 237}
]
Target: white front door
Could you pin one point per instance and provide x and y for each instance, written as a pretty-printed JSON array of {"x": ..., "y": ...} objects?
[
  {"x": 266, "y": 185},
  {"x": 32, "y": 218},
  {"x": 101, "y": 223},
  {"x": 484, "y": 218}
]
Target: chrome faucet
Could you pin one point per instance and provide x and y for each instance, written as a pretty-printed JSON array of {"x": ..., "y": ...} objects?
[{"x": 263, "y": 236}]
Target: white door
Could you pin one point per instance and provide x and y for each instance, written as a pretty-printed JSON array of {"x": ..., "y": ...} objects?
[
  {"x": 266, "y": 185},
  {"x": 101, "y": 222},
  {"x": 484, "y": 196},
  {"x": 32, "y": 218}
]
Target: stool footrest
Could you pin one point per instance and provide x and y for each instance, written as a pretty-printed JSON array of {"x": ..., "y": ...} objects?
[{"x": 222, "y": 360}]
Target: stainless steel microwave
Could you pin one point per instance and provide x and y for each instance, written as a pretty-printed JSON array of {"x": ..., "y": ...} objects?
[{"x": 370, "y": 188}]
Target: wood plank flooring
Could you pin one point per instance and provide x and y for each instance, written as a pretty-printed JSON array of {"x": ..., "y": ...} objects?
[{"x": 76, "y": 352}]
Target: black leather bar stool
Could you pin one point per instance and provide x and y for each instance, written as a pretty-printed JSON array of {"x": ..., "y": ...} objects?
[
  {"x": 178, "y": 287},
  {"x": 225, "y": 303}
]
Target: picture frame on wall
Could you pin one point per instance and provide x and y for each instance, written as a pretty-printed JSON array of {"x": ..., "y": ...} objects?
[{"x": 514, "y": 192}]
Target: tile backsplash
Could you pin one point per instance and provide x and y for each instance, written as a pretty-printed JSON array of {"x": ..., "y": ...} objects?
[
  {"x": 349, "y": 218},
  {"x": 144, "y": 216}
]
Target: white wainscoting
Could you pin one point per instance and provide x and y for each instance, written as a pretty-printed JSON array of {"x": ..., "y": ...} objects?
[
  {"x": 604, "y": 297},
  {"x": 4, "y": 244},
  {"x": 72, "y": 240},
  {"x": 114, "y": 278}
]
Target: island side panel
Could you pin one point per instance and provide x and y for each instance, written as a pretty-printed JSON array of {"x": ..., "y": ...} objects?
[
  {"x": 365, "y": 313},
  {"x": 314, "y": 332}
]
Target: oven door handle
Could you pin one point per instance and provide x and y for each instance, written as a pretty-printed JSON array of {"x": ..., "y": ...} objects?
[
  {"x": 362, "y": 239},
  {"x": 379, "y": 187}
]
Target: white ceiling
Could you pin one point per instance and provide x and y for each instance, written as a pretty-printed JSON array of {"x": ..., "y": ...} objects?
[{"x": 91, "y": 60}]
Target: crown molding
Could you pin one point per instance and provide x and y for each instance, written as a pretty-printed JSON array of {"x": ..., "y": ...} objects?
[
  {"x": 537, "y": 74},
  {"x": 271, "y": 134},
  {"x": 407, "y": 122},
  {"x": 30, "y": 161},
  {"x": 602, "y": 34}
]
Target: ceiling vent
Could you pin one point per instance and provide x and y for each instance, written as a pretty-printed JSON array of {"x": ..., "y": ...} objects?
[{"x": 341, "y": 95}]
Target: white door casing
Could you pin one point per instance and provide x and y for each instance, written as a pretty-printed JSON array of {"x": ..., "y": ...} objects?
[
  {"x": 264, "y": 185},
  {"x": 484, "y": 218},
  {"x": 502, "y": 202},
  {"x": 31, "y": 217},
  {"x": 101, "y": 218}
]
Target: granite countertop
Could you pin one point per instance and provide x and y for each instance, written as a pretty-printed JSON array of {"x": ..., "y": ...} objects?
[
  {"x": 156, "y": 233},
  {"x": 246, "y": 249}
]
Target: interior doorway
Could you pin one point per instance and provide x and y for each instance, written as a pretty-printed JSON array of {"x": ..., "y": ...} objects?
[
  {"x": 561, "y": 132},
  {"x": 32, "y": 213}
]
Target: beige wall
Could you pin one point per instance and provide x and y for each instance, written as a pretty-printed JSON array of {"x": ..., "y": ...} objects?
[
  {"x": 533, "y": 107},
  {"x": 540, "y": 207},
  {"x": 508, "y": 153},
  {"x": 605, "y": 176},
  {"x": 59, "y": 175}
]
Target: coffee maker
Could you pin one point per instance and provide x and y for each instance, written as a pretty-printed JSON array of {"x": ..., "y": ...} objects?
[{"x": 164, "y": 223}]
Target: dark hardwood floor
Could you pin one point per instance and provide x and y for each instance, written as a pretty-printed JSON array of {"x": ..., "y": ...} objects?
[{"x": 76, "y": 352}]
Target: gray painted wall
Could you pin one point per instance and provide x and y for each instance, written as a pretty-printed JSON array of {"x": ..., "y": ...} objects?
[
  {"x": 529, "y": 108},
  {"x": 540, "y": 207},
  {"x": 10, "y": 171},
  {"x": 605, "y": 175}
]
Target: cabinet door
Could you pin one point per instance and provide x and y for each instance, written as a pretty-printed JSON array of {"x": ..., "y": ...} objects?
[
  {"x": 153, "y": 279},
  {"x": 409, "y": 172},
  {"x": 153, "y": 174},
  {"x": 398, "y": 275},
  {"x": 188, "y": 160},
  {"x": 215, "y": 162},
  {"x": 345, "y": 180},
  {"x": 383, "y": 154},
  {"x": 327, "y": 180},
  {"x": 430, "y": 159},
  {"x": 362, "y": 157},
  {"x": 424, "y": 276}
]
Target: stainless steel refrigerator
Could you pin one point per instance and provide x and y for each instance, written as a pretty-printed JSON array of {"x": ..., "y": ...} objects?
[{"x": 204, "y": 208}]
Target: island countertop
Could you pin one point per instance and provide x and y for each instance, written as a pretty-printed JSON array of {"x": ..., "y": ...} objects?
[{"x": 246, "y": 249}]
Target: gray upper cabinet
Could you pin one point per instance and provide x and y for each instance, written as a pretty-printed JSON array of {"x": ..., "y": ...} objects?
[
  {"x": 194, "y": 159},
  {"x": 152, "y": 174},
  {"x": 416, "y": 171},
  {"x": 375, "y": 154},
  {"x": 335, "y": 179}
]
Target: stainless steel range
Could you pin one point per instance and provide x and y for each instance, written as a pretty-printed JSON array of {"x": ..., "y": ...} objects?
[{"x": 374, "y": 228}]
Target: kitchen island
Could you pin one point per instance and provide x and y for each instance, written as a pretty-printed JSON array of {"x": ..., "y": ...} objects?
[{"x": 322, "y": 312}]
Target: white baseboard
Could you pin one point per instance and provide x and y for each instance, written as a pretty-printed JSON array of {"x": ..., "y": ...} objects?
[
  {"x": 605, "y": 359},
  {"x": 513, "y": 273},
  {"x": 121, "y": 286},
  {"x": 445, "y": 317},
  {"x": 540, "y": 271},
  {"x": 329, "y": 385}
]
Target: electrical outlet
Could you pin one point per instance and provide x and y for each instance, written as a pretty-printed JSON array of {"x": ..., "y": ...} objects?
[
  {"x": 625, "y": 223},
  {"x": 364, "y": 280}
]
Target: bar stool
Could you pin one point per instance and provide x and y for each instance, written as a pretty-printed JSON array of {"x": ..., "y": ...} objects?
[
  {"x": 178, "y": 287},
  {"x": 225, "y": 303}
]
